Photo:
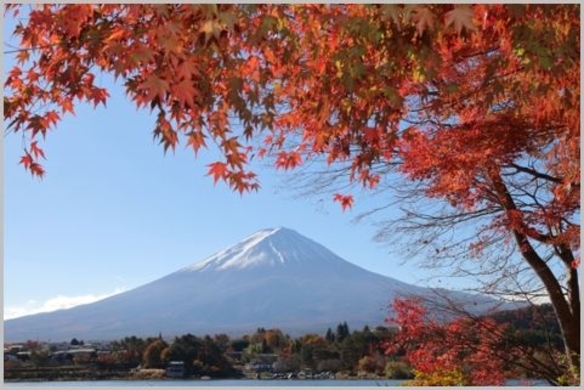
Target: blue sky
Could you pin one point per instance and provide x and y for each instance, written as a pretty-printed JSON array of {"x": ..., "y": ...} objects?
[{"x": 114, "y": 212}]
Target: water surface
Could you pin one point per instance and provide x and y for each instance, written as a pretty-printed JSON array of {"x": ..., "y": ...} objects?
[{"x": 239, "y": 383}]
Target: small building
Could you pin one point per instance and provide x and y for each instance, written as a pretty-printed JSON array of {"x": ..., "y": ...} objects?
[
  {"x": 62, "y": 357},
  {"x": 175, "y": 369},
  {"x": 23, "y": 355},
  {"x": 13, "y": 349}
]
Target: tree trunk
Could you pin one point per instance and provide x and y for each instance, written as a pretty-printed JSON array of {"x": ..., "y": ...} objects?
[{"x": 566, "y": 306}]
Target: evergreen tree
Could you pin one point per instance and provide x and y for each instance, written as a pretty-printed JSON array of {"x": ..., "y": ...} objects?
[
  {"x": 239, "y": 345},
  {"x": 330, "y": 336},
  {"x": 342, "y": 332}
]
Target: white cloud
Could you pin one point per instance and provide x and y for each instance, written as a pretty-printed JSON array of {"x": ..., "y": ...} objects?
[{"x": 57, "y": 303}]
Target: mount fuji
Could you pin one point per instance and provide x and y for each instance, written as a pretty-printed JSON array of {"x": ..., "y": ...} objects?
[{"x": 273, "y": 278}]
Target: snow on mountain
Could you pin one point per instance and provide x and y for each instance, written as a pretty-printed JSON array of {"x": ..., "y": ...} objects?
[
  {"x": 253, "y": 251},
  {"x": 268, "y": 247},
  {"x": 273, "y": 278}
]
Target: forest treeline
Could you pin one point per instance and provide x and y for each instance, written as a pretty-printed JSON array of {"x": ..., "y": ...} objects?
[{"x": 368, "y": 352}]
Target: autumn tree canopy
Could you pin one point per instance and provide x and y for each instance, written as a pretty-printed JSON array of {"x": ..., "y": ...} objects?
[
  {"x": 468, "y": 350},
  {"x": 478, "y": 105},
  {"x": 456, "y": 354}
]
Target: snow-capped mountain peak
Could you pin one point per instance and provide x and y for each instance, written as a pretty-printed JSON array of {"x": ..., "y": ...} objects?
[{"x": 267, "y": 247}]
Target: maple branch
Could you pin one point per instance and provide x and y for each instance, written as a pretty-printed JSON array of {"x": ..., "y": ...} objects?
[
  {"x": 30, "y": 49},
  {"x": 535, "y": 173},
  {"x": 538, "y": 204}
]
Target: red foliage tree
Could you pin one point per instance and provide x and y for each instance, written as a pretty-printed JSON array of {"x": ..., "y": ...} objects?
[{"x": 461, "y": 352}]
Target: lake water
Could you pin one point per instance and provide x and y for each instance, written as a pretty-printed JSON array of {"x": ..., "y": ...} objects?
[
  {"x": 235, "y": 383},
  {"x": 214, "y": 383}
]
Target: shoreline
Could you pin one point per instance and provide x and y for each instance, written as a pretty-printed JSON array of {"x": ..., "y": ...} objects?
[{"x": 136, "y": 376}]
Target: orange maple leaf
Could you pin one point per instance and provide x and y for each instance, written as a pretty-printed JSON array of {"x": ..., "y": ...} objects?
[
  {"x": 196, "y": 140},
  {"x": 218, "y": 170},
  {"x": 185, "y": 93},
  {"x": 34, "y": 149},
  {"x": 288, "y": 160},
  {"x": 154, "y": 86}
]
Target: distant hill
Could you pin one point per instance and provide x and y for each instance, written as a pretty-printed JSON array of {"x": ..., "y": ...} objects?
[
  {"x": 533, "y": 325},
  {"x": 273, "y": 278}
]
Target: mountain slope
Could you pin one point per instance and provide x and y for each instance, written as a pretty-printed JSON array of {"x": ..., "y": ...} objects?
[{"x": 273, "y": 278}]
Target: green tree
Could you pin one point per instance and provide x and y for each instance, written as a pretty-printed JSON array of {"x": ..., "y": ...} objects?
[
  {"x": 330, "y": 336},
  {"x": 186, "y": 348},
  {"x": 200, "y": 356},
  {"x": 313, "y": 348},
  {"x": 238, "y": 345},
  {"x": 356, "y": 346},
  {"x": 223, "y": 341},
  {"x": 40, "y": 358}
]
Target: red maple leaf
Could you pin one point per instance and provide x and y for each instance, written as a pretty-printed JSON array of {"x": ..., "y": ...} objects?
[{"x": 346, "y": 201}]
